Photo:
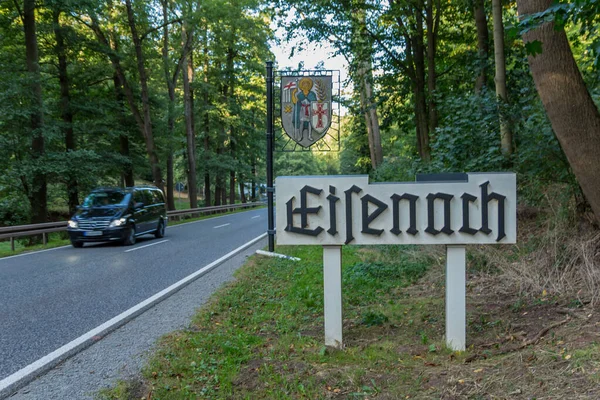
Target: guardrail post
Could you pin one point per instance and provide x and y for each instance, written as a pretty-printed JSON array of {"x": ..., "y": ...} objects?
[
  {"x": 12, "y": 243},
  {"x": 44, "y": 239}
]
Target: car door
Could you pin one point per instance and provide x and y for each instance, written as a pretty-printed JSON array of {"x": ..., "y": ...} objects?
[
  {"x": 155, "y": 209},
  {"x": 140, "y": 211}
]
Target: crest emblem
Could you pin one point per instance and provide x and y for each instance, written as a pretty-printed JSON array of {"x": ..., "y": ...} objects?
[{"x": 306, "y": 107}]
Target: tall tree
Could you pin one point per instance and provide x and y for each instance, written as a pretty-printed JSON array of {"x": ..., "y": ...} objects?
[
  {"x": 65, "y": 105},
  {"x": 433, "y": 15},
  {"x": 37, "y": 192},
  {"x": 188, "y": 100},
  {"x": 574, "y": 116},
  {"x": 500, "y": 78},
  {"x": 482, "y": 43},
  {"x": 171, "y": 80},
  {"x": 206, "y": 118},
  {"x": 362, "y": 53},
  {"x": 146, "y": 121}
]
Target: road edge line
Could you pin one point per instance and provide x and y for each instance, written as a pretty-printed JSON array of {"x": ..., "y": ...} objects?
[{"x": 15, "y": 381}]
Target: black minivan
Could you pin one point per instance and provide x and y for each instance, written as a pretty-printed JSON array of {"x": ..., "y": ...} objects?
[{"x": 119, "y": 214}]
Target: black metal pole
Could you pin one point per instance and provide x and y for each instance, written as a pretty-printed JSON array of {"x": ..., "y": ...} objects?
[{"x": 270, "y": 189}]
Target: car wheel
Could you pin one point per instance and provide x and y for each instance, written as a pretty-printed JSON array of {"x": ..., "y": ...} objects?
[
  {"x": 160, "y": 229},
  {"x": 77, "y": 243},
  {"x": 130, "y": 238}
]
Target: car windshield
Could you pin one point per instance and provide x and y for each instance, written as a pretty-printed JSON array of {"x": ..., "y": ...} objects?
[{"x": 100, "y": 199}]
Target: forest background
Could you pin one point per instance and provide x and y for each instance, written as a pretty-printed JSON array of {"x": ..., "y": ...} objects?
[{"x": 112, "y": 93}]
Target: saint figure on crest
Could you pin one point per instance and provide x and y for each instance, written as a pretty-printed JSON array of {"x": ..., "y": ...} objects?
[{"x": 302, "y": 96}]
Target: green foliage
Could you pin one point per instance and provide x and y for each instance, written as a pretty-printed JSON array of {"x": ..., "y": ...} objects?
[
  {"x": 304, "y": 162},
  {"x": 533, "y": 48},
  {"x": 371, "y": 318},
  {"x": 14, "y": 208},
  {"x": 396, "y": 269},
  {"x": 354, "y": 157},
  {"x": 585, "y": 14},
  {"x": 229, "y": 105},
  {"x": 467, "y": 139},
  {"x": 375, "y": 271}
]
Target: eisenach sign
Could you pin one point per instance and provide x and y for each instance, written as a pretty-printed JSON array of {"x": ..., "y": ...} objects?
[{"x": 339, "y": 210}]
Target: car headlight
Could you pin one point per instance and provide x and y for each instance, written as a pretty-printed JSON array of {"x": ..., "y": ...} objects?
[
  {"x": 117, "y": 222},
  {"x": 72, "y": 224}
]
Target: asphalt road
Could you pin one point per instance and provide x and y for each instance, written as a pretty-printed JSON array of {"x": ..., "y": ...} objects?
[{"x": 49, "y": 298}]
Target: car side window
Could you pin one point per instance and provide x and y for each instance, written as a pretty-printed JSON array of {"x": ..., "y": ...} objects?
[
  {"x": 158, "y": 197},
  {"x": 149, "y": 199},
  {"x": 138, "y": 197}
]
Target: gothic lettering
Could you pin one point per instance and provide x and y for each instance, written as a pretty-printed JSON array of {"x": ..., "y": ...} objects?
[
  {"x": 485, "y": 199},
  {"x": 466, "y": 228},
  {"x": 427, "y": 213},
  {"x": 348, "y": 193},
  {"x": 366, "y": 218},
  {"x": 430, "y": 213},
  {"x": 332, "y": 211},
  {"x": 304, "y": 210},
  {"x": 412, "y": 229}
]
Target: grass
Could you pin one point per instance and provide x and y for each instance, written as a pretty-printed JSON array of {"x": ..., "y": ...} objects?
[
  {"x": 55, "y": 239},
  {"x": 58, "y": 239},
  {"x": 262, "y": 336}
]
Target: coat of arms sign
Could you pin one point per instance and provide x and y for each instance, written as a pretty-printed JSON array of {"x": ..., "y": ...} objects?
[{"x": 306, "y": 107}]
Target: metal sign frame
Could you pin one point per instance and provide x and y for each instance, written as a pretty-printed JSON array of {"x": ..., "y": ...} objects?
[{"x": 331, "y": 139}]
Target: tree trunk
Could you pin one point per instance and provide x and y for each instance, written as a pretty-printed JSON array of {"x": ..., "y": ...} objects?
[
  {"x": 146, "y": 119},
  {"x": 127, "y": 173},
  {"x": 364, "y": 71},
  {"x": 232, "y": 132},
  {"x": 483, "y": 40},
  {"x": 232, "y": 150},
  {"x": 38, "y": 193},
  {"x": 500, "y": 79},
  {"x": 432, "y": 19},
  {"x": 207, "y": 191},
  {"x": 218, "y": 186},
  {"x": 253, "y": 181},
  {"x": 232, "y": 187},
  {"x": 65, "y": 107},
  {"x": 242, "y": 193},
  {"x": 370, "y": 113},
  {"x": 170, "y": 108},
  {"x": 570, "y": 108},
  {"x": 188, "y": 76},
  {"x": 419, "y": 90},
  {"x": 224, "y": 192}
]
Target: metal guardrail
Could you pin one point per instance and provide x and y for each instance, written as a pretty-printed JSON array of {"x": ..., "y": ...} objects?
[{"x": 12, "y": 232}]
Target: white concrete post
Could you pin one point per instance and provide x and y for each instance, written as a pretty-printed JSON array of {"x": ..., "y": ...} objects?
[
  {"x": 456, "y": 313},
  {"x": 332, "y": 277}
]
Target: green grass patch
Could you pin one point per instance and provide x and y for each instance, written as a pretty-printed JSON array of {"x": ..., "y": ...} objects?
[
  {"x": 55, "y": 239},
  {"x": 262, "y": 336}
]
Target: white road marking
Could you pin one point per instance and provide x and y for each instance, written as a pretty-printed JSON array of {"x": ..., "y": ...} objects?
[
  {"x": 34, "y": 252},
  {"x": 256, "y": 216},
  {"x": 148, "y": 245},
  {"x": 220, "y": 226},
  {"x": 206, "y": 219},
  {"x": 36, "y": 368}
]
